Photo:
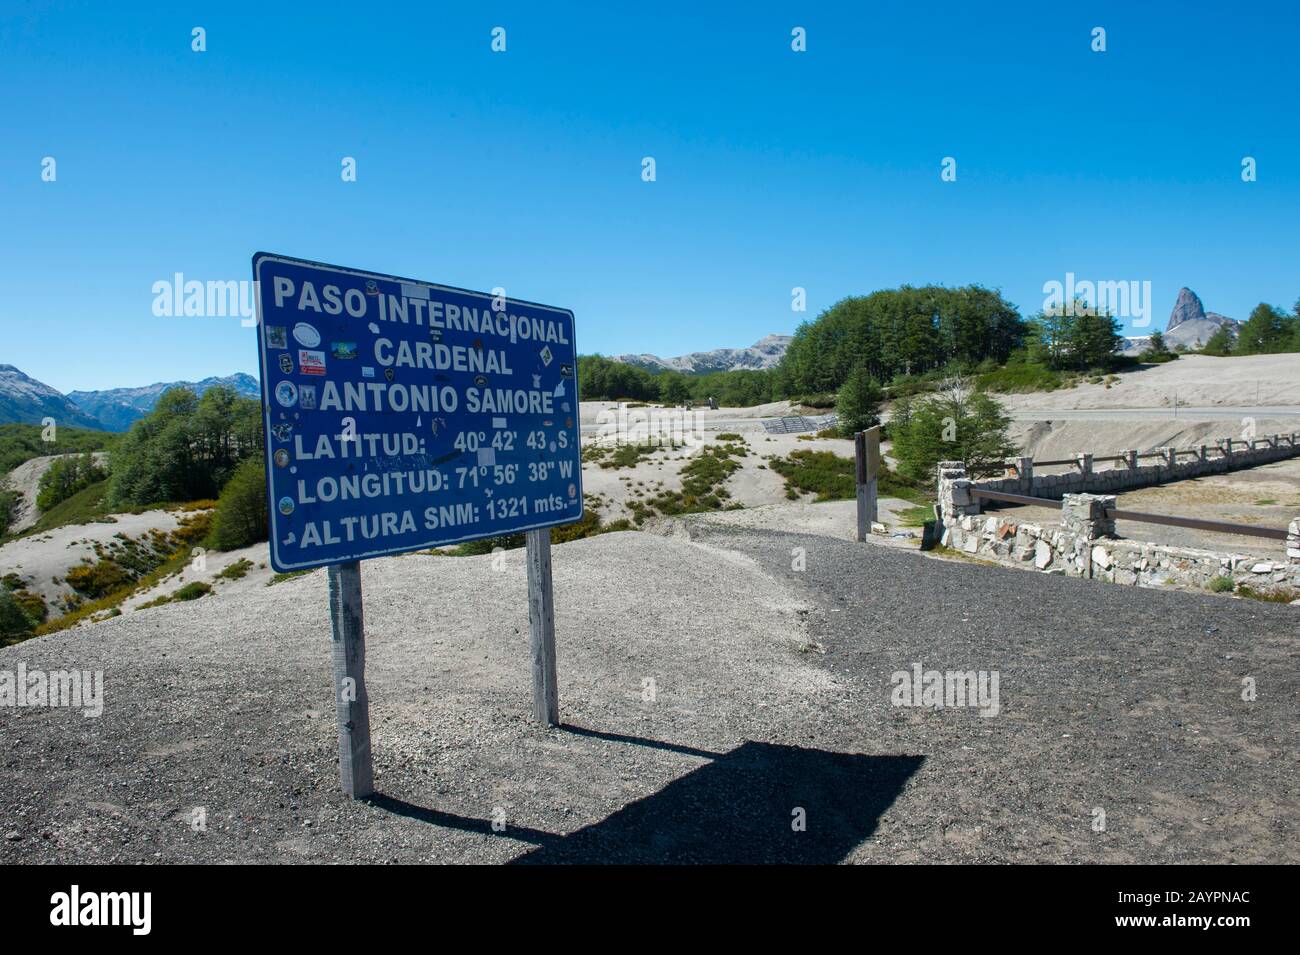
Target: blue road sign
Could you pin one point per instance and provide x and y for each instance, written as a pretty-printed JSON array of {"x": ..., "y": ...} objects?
[{"x": 402, "y": 415}]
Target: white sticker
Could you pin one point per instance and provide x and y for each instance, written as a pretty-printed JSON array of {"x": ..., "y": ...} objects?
[
  {"x": 415, "y": 291},
  {"x": 499, "y": 423},
  {"x": 306, "y": 335},
  {"x": 559, "y": 390},
  {"x": 487, "y": 457}
]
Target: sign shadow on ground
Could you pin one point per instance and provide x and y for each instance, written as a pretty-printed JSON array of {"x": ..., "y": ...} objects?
[{"x": 738, "y": 808}]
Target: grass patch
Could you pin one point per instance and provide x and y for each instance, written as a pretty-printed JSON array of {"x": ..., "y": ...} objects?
[
  {"x": 87, "y": 506},
  {"x": 623, "y": 455},
  {"x": 281, "y": 578},
  {"x": 1016, "y": 377},
  {"x": 730, "y": 436},
  {"x": 193, "y": 591},
  {"x": 702, "y": 490},
  {"x": 1282, "y": 596},
  {"x": 917, "y": 516},
  {"x": 833, "y": 478},
  {"x": 892, "y": 484},
  {"x": 236, "y": 571},
  {"x": 111, "y": 603},
  {"x": 821, "y": 473},
  {"x": 1220, "y": 585}
]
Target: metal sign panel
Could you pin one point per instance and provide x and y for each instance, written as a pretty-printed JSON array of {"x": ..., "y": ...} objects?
[{"x": 402, "y": 415}]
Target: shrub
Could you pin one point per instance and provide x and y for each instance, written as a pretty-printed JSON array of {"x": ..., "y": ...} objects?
[
  {"x": 99, "y": 579},
  {"x": 193, "y": 591},
  {"x": 823, "y": 473},
  {"x": 236, "y": 571},
  {"x": 240, "y": 518},
  {"x": 1220, "y": 585}
]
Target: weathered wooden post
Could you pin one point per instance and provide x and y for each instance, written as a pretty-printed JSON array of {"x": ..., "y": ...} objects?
[
  {"x": 351, "y": 701},
  {"x": 541, "y": 627},
  {"x": 866, "y": 447}
]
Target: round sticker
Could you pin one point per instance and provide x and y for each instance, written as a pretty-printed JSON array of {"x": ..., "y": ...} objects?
[
  {"x": 286, "y": 506},
  {"x": 286, "y": 392},
  {"x": 306, "y": 335},
  {"x": 281, "y": 458},
  {"x": 573, "y": 491}
]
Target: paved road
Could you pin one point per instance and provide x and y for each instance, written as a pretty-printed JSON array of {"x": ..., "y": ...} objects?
[
  {"x": 1111, "y": 697},
  {"x": 1211, "y": 413}
]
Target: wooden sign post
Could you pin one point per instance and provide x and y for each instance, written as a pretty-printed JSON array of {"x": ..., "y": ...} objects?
[
  {"x": 350, "y": 698},
  {"x": 866, "y": 446},
  {"x": 429, "y": 464},
  {"x": 541, "y": 627}
]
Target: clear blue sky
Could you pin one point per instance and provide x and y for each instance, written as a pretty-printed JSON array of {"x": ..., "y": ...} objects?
[{"x": 523, "y": 169}]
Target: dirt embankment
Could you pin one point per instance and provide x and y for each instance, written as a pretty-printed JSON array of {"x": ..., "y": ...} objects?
[{"x": 1191, "y": 381}]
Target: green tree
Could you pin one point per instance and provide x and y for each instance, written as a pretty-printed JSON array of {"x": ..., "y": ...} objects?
[
  {"x": 673, "y": 389},
  {"x": 858, "y": 405},
  {"x": 1268, "y": 330},
  {"x": 1093, "y": 340},
  {"x": 240, "y": 518},
  {"x": 1157, "y": 350},
  {"x": 1220, "y": 343},
  {"x": 955, "y": 424},
  {"x": 1049, "y": 333},
  {"x": 15, "y": 625},
  {"x": 186, "y": 449},
  {"x": 903, "y": 331},
  {"x": 65, "y": 477}
]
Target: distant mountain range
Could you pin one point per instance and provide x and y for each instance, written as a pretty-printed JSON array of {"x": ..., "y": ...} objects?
[
  {"x": 119, "y": 408},
  {"x": 28, "y": 401},
  {"x": 1189, "y": 325},
  {"x": 764, "y": 353}
]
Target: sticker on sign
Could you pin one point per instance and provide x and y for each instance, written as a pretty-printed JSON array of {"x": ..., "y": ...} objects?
[{"x": 468, "y": 433}]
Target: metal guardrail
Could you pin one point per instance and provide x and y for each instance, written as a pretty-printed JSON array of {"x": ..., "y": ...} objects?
[
  {"x": 1219, "y": 527},
  {"x": 799, "y": 423},
  {"x": 1141, "y": 517}
]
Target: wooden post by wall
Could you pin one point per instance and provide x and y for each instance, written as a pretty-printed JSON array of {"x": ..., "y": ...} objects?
[
  {"x": 541, "y": 627},
  {"x": 866, "y": 446},
  {"x": 351, "y": 701}
]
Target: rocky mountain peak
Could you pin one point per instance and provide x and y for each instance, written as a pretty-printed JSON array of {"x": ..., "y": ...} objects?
[{"x": 1188, "y": 308}]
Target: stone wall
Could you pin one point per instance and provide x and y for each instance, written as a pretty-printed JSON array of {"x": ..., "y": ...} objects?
[
  {"x": 1084, "y": 545},
  {"x": 1128, "y": 475}
]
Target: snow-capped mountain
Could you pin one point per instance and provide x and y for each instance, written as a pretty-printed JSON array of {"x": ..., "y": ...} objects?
[
  {"x": 28, "y": 401},
  {"x": 119, "y": 408},
  {"x": 764, "y": 353}
]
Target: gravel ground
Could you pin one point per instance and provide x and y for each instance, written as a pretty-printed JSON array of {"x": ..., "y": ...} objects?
[{"x": 771, "y": 704}]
